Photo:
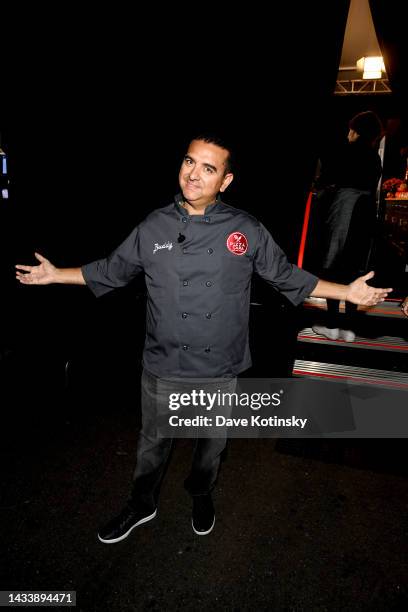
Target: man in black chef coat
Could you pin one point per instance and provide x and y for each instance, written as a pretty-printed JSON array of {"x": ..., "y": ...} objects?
[{"x": 198, "y": 256}]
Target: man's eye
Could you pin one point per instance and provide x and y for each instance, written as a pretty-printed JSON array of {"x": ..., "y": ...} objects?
[
  {"x": 188, "y": 161},
  {"x": 209, "y": 171}
]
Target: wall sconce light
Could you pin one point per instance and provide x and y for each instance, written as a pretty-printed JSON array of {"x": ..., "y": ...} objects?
[{"x": 371, "y": 67}]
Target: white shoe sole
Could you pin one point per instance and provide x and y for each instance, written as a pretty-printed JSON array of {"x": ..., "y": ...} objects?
[
  {"x": 125, "y": 535},
  {"x": 203, "y": 532}
]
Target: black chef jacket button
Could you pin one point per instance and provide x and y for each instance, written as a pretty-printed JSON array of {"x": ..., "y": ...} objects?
[
  {"x": 207, "y": 219},
  {"x": 185, "y": 347},
  {"x": 184, "y": 220},
  {"x": 185, "y": 283},
  {"x": 184, "y": 250},
  {"x": 207, "y": 349},
  {"x": 184, "y": 315},
  {"x": 208, "y": 284},
  {"x": 208, "y": 315},
  {"x": 209, "y": 251}
]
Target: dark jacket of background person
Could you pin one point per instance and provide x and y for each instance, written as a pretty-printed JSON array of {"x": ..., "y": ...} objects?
[
  {"x": 355, "y": 165},
  {"x": 346, "y": 203}
]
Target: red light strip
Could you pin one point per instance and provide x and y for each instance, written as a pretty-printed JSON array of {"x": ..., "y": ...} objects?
[{"x": 304, "y": 230}]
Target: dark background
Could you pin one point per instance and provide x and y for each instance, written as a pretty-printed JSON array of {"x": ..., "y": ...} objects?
[
  {"x": 97, "y": 108},
  {"x": 97, "y": 119},
  {"x": 97, "y": 112}
]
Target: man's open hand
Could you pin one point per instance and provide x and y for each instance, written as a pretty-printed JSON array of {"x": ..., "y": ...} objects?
[
  {"x": 43, "y": 274},
  {"x": 404, "y": 307},
  {"x": 358, "y": 292}
]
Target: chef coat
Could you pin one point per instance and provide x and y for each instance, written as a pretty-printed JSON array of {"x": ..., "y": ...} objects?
[{"x": 198, "y": 271}]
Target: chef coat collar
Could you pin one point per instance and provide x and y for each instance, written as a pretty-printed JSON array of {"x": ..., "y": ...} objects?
[{"x": 211, "y": 208}]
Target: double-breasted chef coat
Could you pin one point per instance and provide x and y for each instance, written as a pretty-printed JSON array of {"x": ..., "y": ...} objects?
[{"x": 198, "y": 271}]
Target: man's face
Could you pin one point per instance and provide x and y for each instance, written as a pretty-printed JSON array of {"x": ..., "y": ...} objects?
[{"x": 202, "y": 173}]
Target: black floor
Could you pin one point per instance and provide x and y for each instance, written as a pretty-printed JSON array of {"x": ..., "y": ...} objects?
[{"x": 301, "y": 524}]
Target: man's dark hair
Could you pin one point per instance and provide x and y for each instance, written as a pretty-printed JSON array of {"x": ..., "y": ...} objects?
[{"x": 220, "y": 142}]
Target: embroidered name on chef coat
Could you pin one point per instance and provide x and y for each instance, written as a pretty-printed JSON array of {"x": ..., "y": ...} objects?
[{"x": 166, "y": 245}]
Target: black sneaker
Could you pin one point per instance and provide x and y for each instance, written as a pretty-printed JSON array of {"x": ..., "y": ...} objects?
[
  {"x": 203, "y": 519},
  {"x": 120, "y": 527}
]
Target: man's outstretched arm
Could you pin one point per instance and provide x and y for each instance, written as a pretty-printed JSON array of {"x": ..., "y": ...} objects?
[
  {"x": 357, "y": 292},
  {"x": 46, "y": 273},
  {"x": 271, "y": 263}
]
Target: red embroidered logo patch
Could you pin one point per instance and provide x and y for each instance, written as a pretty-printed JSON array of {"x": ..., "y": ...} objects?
[{"x": 237, "y": 243}]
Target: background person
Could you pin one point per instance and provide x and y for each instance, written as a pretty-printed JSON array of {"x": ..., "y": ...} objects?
[{"x": 347, "y": 214}]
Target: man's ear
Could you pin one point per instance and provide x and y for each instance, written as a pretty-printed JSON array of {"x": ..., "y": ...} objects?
[{"x": 228, "y": 178}]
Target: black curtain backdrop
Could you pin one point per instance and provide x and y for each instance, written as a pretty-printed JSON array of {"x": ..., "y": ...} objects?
[
  {"x": 97, "y": 116},
  {"x": 390, "y": 22},
  {"x": 106, "y": 104}
]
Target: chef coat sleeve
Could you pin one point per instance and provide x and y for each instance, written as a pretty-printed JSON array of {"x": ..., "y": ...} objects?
[
  {"x": 117, "y": 270},
  {"x": 271, "y": 264}
]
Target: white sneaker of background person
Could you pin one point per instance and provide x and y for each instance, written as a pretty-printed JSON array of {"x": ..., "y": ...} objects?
[
  {"x": 347, "y": 335},
  {"x": 332, "y": 333}
]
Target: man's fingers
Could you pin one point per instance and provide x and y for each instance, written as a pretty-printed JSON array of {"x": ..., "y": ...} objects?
[
  {"x": 375, "y": 295},
  {"x": 24, "y": 278},
  {"x": 40, "y": 257},
  {"x": 368, "y": 276},
  {"x": 378, "y": 295},
  {"x": 24, "y": 268},
  {"x": 380, "y": 290}
]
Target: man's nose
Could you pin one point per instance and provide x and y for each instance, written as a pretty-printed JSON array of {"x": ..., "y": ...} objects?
[{"x": 194, "y": 175}]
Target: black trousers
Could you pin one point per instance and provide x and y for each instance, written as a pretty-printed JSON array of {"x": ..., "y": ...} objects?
[
  {"x": 348, "y": 320},
  {"x": 153, "y": 451}
]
